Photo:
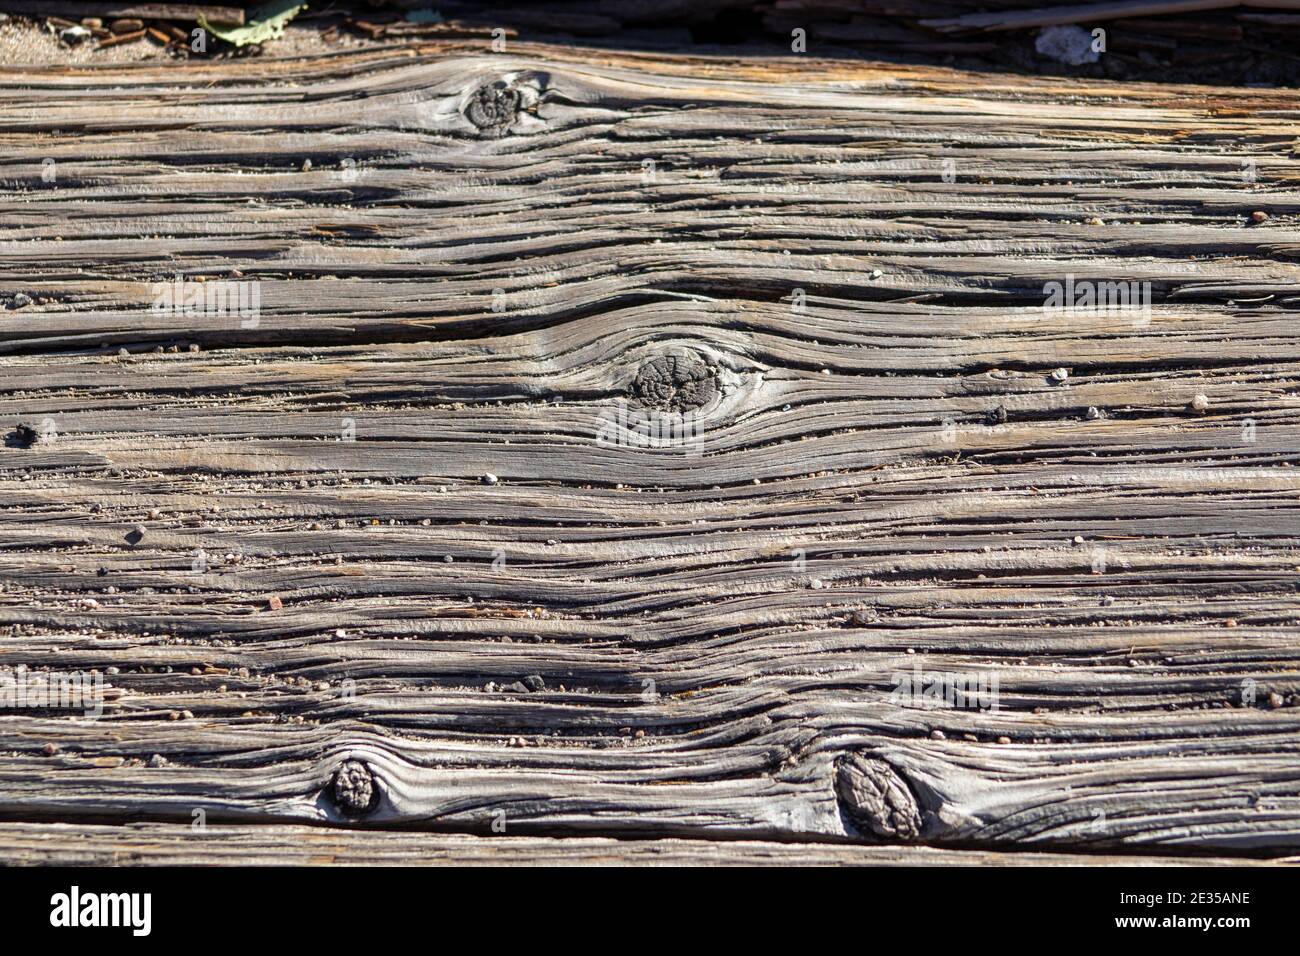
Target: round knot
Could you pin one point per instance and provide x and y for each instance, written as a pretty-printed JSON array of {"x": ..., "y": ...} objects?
[
  {"x": 353, "y": 788},
  {"x": 493, "y": 108},
  {"x": 679, "y": 383}
]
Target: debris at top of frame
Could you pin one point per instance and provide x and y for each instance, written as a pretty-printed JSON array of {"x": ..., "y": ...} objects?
[{"x": 267, "y": 23}]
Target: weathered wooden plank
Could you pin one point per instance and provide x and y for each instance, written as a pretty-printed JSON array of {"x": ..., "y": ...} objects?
[
  {"x": 162, "y": 844},
  {"x": 275, "y": 535}
]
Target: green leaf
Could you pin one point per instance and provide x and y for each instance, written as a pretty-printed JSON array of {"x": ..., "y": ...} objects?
[{"x": 266, "y": 23}]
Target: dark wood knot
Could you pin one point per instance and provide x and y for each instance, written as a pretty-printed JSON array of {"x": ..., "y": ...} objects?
[
  {"x": 493, "y": 108},
  {"x": 23, "y": 436},
  {"x": 679, "y": 383},
  {"x": 353, "y": 789},
  {"x": 876, "y": 799}
]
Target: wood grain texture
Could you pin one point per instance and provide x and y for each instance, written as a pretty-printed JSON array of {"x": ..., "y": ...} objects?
[
  {"x": 473, "y": 273},
  {"x": 174, "y": 844}
]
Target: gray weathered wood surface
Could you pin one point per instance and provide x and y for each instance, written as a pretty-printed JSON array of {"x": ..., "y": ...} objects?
[
  {"x": 889, "y": 476},
  {"x": 178, "y": 844}
]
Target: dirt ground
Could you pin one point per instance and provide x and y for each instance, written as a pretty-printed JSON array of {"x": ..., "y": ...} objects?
[
  {"x": 1136, "y": 53},
  {"x": 26, "y": 41}
]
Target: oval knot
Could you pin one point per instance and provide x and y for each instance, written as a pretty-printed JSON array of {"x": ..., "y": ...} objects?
[
  {"x": 678, "y": 383},
  {"x": 353, "y": 789},
  {"x": 493, "y": 108},
  {"x": 876, "y": 798}
]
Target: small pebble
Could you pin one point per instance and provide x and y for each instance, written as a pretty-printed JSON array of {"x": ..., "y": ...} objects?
[
  {"x": 937, "y": 735},
  {"x": 1060, "y": 374},
  {"x": 490, "y": 479},
  {"x": 1259, "y": 216},
  {"x": 1275, "y": 700},
  {"x": 1200, "y": 403}
]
